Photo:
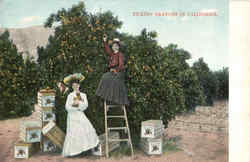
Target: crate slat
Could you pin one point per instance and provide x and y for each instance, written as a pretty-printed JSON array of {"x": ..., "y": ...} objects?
[{"x": 55, "y": 134}]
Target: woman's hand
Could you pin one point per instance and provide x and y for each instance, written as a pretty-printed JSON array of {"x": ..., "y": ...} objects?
[
  {"x": 81, "y": 102},
  {"x": 75, "y": 103},
  {"x": 104, "y": 37},
  {"x": 113, "y": 71}
]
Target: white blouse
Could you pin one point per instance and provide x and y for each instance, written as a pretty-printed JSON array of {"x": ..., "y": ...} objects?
[{"x": 81, "y": 135}]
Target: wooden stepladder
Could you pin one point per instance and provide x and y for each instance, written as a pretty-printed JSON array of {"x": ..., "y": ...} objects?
[{"x": 107, "y": 129}]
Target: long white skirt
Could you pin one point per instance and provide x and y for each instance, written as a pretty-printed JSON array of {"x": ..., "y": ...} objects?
[{"x": 80, "y": 136}]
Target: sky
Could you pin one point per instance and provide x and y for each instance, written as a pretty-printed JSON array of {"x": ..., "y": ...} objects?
[{"x": 201, "y": 36}]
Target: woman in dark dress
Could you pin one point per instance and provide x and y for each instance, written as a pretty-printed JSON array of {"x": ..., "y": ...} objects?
[{"x": 112, "y": 87}]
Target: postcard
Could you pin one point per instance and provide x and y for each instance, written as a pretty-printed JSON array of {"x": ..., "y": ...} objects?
[{"x": 164, "y": 64}]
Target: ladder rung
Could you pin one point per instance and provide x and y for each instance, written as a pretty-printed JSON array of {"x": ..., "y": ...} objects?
[
  {"x": 113, "y": 106},
  {"x": 114, "y": 116},
  {"x": 116, "y": 128},
  {"x": 113, "y": 140}
]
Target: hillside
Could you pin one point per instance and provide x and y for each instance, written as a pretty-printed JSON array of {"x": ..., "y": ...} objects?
[{"x": 27, "y": 39}]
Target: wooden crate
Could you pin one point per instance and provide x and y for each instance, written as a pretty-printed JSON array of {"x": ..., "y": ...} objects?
[
  {"x": 23, "y": 150},
  {"x": 48, "y": 116},
  {"x": 100, "y": 149},
  {"x": 151, "y": 146},
  {"x": 46, "y": 98},
  {"x": 45, "y": 114},
  {"x": 152, "y": 129},
  {"x": 49, "y": 146},
  {"x": 30, "y": 131},
  {"x": 55, "y": 134},
  {"x": 40, "y": 109}
]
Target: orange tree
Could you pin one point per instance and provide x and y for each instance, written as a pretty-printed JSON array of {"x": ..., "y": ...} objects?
[
  {"x": 30, "y": 76},
  {"x": 222, "y": 77},
  {"x": 18, "y": 80},
  {"x": 207, "y": 79},
  {"x": 10, "y": 74},
  {"x": 159, "y": 80}
]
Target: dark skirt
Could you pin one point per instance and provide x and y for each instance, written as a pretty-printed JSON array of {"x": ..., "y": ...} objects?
[{"x": 112, "y": 88}]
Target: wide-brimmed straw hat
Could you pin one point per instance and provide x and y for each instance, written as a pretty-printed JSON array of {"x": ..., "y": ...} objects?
[{"x": 73, "y": 78}]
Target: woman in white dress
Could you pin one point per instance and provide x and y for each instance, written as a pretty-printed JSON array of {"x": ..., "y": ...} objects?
[{"x": 81, "y": 135}]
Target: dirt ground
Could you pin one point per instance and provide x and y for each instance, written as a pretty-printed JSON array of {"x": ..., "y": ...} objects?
[{"x": 196, "y": 147}]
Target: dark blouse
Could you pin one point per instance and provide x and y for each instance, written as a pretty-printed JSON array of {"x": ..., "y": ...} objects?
[{"x": 116, "y": 60}]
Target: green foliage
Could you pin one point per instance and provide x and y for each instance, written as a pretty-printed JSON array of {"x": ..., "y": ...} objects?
[
  {"x": 17, "y": 88},
  {"x": 159, "y": 80},
  {"x": 170, "y": 146},
  {"x": 118, "y": 153},
  {"x": 153, "y": 94},
  {"x": 30, "y": 76},
  {"x": 222, "y": 77},
  {"x": 11, "y": 83},
  {"x": 207, "y": 80},
  {"x": 179, "y": 70},
  {"x": 192, "y": 89},
  {"x": 77, "y": 47},
  {"x": 161, "y": 84},
  {"x": 61, "y": 114}
]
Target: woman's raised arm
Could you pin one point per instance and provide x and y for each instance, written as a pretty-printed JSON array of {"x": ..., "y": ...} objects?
[{"x": 107, "y": 48}]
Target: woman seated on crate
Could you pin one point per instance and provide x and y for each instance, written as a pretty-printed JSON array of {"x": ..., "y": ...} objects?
[
  {"x": 80, "y": 135},
  {"x": 112, "y": 87}
]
